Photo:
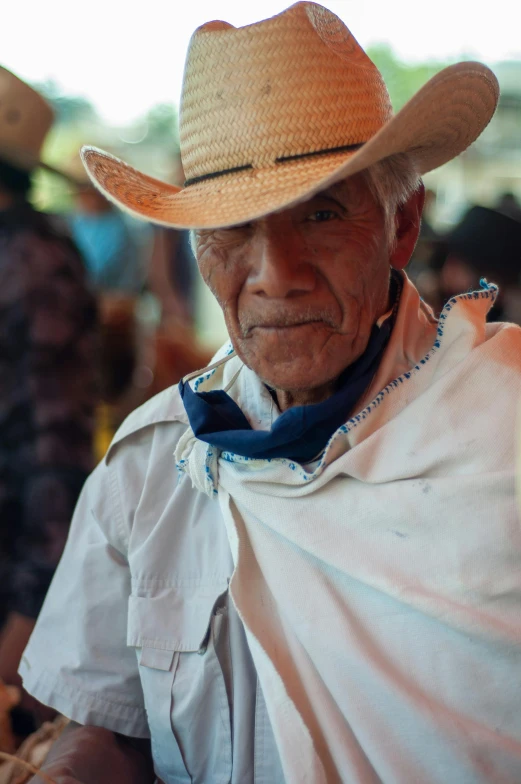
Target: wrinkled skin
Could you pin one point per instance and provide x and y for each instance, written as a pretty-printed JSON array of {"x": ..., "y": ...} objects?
[{"x": 301, "y": 288}]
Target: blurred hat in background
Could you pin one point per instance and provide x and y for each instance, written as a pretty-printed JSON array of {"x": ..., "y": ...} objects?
[{"x": 25, "y": 120}]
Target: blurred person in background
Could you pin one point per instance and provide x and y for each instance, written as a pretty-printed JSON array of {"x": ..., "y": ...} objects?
[
  {"x": 173, "y": 350},
  {"x": 116, "y": 250},
  {"x": 48, "y": 377},
  {"x": 485, "y": 243},
  {"x": 114, "y": 246},
  {"x": 127, "y": 259},
  {"x": 173, "y": 269},
  {"x": 508, "y": 204}
]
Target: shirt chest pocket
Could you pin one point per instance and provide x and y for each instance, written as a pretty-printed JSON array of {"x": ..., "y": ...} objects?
[{"x": 178, "y": 637}]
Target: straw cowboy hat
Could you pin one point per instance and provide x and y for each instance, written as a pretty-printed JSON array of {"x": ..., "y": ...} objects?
[
  {"x": 276, "y": 111},
  {"x": 25, "y": 120}
]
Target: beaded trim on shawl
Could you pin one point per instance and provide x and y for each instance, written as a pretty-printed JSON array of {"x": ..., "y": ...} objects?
[{"x": 212, "y": 455}]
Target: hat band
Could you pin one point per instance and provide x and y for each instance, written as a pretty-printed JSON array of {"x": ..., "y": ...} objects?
[{"x": 282, "y": 159}]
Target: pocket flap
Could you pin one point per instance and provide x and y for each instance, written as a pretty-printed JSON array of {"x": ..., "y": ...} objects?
[
  {"x": 157, "y": 659},
  {"x": 176, "y": 620}
]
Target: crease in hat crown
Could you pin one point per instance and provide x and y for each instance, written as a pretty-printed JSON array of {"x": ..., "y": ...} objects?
[{"x": 295, "y": 84}]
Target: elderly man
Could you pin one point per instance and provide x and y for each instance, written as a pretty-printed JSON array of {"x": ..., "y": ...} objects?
[{"x": 303, "y": 565}]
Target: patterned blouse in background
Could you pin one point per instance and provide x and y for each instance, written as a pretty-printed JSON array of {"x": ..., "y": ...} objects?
[{"x": 48, "y": 394}]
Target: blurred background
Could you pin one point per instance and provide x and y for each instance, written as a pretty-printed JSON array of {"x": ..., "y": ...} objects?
[{"x": 113, "y": 72}]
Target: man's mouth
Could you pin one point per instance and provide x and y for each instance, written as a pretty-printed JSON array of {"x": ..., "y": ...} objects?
[
  {"x": 283, "y": 326},
  {"x": 286, "y": 324},
  {"x": 280, "y": 322}
]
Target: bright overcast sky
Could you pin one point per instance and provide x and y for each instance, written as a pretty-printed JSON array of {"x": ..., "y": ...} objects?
[{"x": 127, "y": 56}]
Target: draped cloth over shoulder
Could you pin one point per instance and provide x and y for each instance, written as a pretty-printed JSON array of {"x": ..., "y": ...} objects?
[{"x": 384, "y": 581}]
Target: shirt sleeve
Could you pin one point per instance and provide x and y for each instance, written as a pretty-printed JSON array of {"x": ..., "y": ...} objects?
[
  {"x": 77, "y": 659},
  {"x": 59, "y": 371}
]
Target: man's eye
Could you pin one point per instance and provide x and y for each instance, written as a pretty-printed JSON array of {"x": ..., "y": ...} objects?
[
  {"x": 322, "y": 215},
  {"x": 239, "y": 227}
]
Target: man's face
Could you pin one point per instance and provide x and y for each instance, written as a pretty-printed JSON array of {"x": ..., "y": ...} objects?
[{"x": 301, "y": 288}]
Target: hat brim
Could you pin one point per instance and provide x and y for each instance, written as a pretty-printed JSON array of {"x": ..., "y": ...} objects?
[{"x": 444, "y": 117}]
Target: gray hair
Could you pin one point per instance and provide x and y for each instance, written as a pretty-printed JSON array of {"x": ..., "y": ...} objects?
[
  {"x": 193, "y": 241},
  {"x": 391, "y": 182}
]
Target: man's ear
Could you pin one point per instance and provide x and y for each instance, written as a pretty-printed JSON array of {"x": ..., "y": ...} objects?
[{"x": 408, "y": 221}]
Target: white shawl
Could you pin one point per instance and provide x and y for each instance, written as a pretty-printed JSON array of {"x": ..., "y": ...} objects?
[{"x": 381, "y": 590}]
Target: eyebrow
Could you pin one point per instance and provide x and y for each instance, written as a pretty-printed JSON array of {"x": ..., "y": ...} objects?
[{"x": 327, "y": 197}]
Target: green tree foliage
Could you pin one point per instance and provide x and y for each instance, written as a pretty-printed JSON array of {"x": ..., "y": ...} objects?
[
  {"x": 402, "y": 79},
  {"x": 162, "y": 124},
  {"x": 69, "y": 109}
]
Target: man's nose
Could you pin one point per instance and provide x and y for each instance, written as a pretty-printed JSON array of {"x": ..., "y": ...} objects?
[{"x": 280, "y": 268}]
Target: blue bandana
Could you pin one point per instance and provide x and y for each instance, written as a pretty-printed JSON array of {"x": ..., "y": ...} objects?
[{"x": 300, "y": 433}]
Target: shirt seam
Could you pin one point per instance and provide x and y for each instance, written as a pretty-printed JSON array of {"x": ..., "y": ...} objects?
[
  {"x": 34, "y": 676},
  {"x": 118, "y": 514},
  {"x": 138, "y": 581}
]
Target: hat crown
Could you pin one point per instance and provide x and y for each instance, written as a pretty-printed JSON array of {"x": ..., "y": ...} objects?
[
  {"x": 25, "y": 119},
  {"x": 292, "y": 85}
]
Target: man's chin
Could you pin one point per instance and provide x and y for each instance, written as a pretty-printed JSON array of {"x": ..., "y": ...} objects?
[
  {"x": 292, "y": 371},
  {"x": 296, "y": 382}
]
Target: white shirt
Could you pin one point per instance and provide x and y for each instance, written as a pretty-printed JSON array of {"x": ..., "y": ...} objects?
[
  {"x": 140, "y": 633},
  {"x": 137, "y": 634}
]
